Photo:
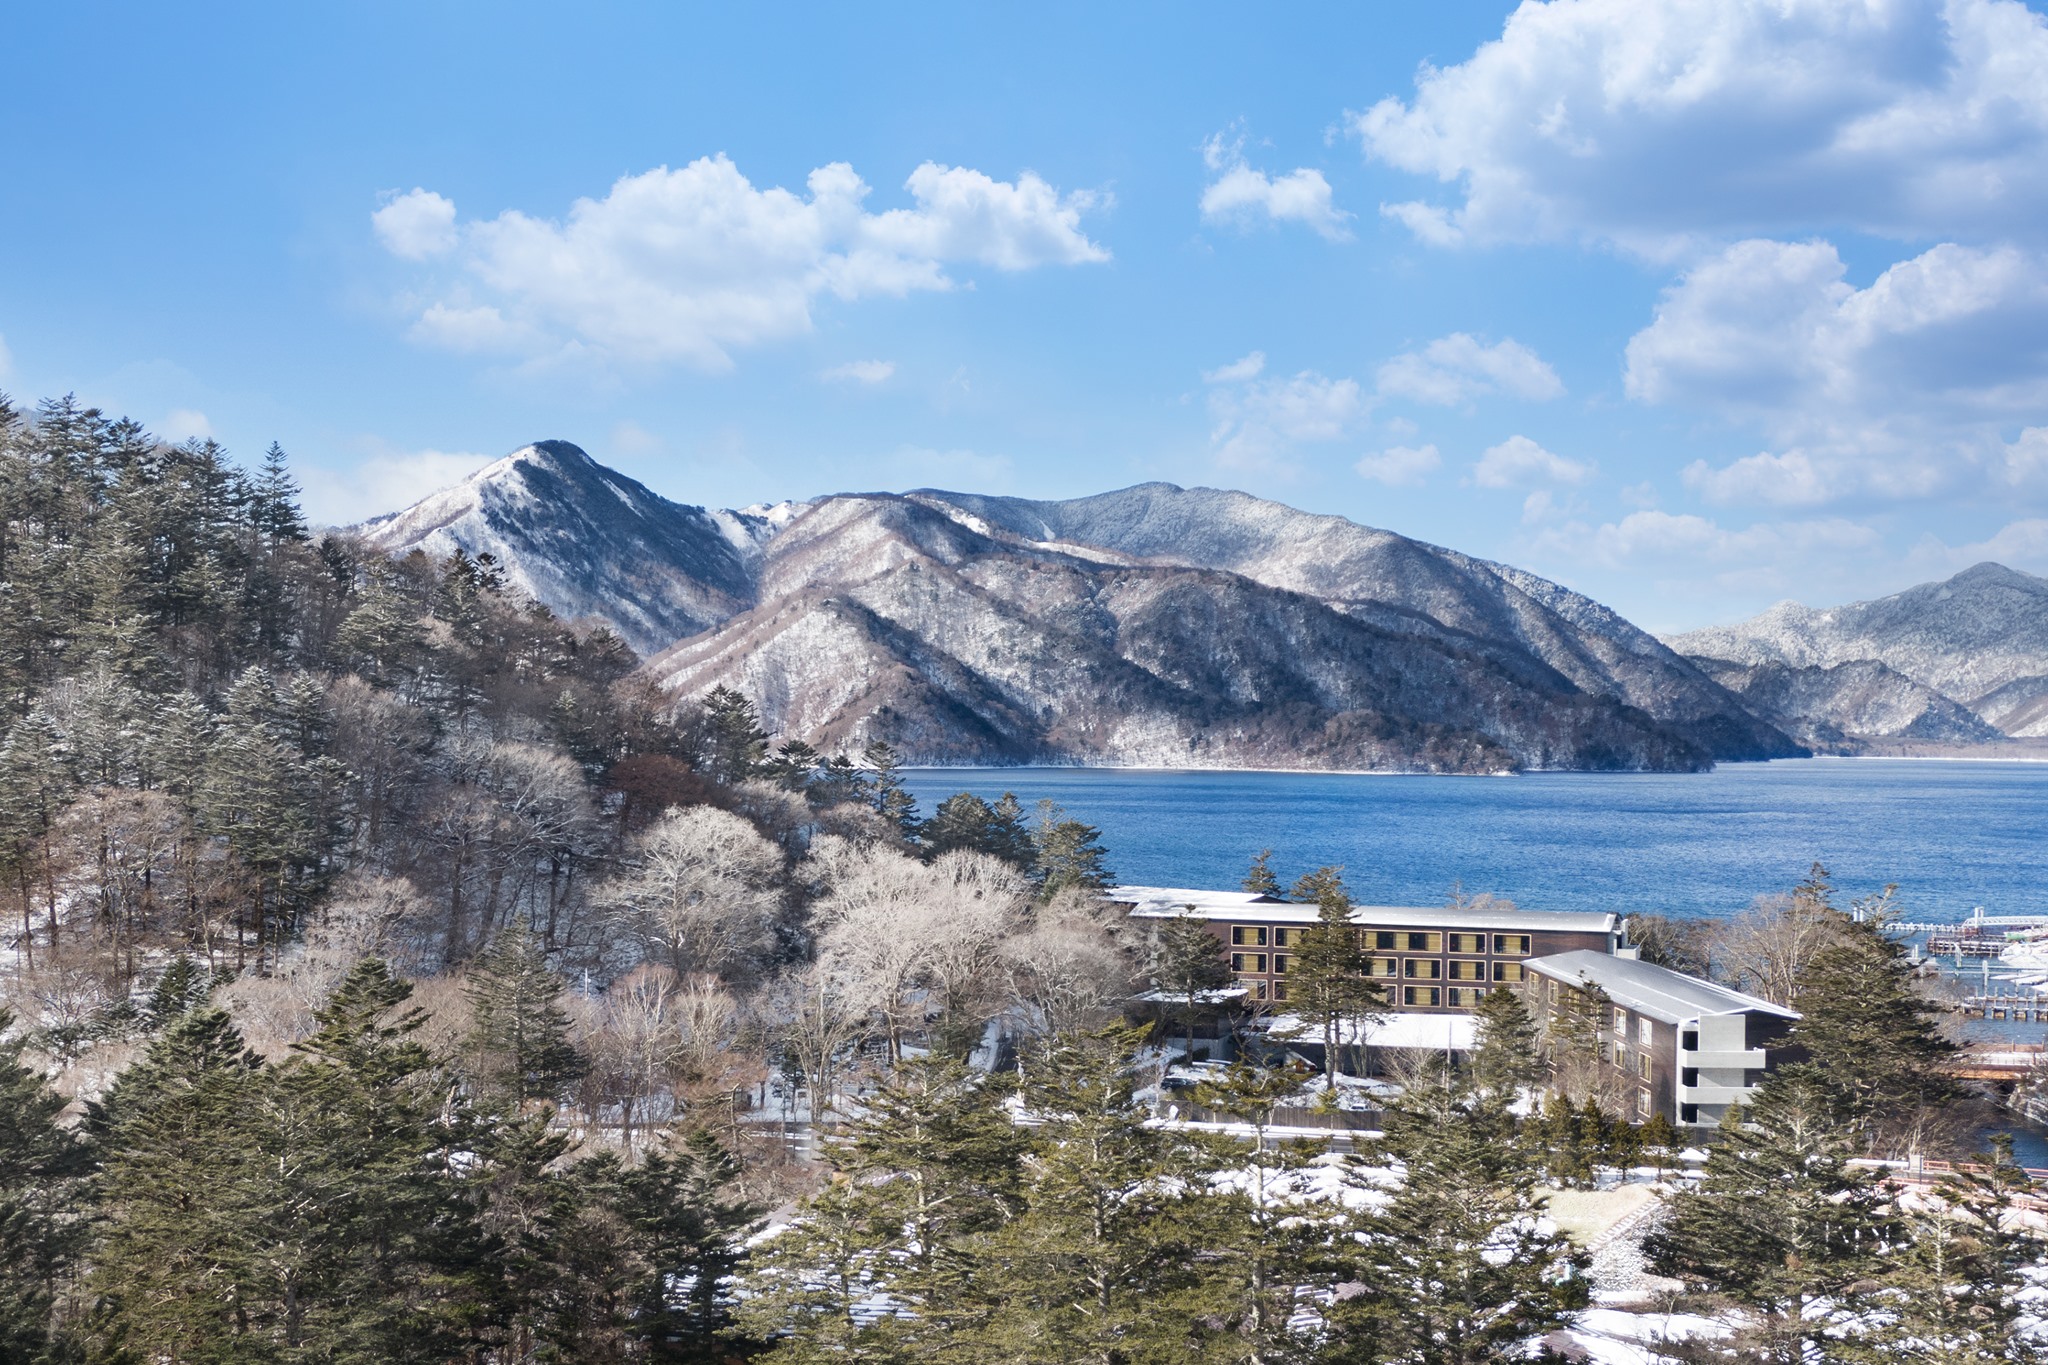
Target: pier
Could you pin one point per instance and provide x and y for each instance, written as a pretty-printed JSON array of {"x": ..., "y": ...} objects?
[{"x": 2028, "y": 1007}]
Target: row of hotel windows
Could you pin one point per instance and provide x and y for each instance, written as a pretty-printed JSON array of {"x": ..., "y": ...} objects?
[
  {"x": 1457, "y": 997},
  {"x": 1386, "y": 940},
  {"x": 1413, "y": 969}
]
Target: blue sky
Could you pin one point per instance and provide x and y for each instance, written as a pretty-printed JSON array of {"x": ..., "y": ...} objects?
[{"x": 1691, "y": 304}]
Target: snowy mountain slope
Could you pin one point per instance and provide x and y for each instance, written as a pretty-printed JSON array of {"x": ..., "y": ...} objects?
[
  {"x": 1833, "y": 706},
  {"x": 894, "y": 619},
  {"x": 591, "y": 543},
  {"x": 1965, "y": 637},
  {"x": 1153, "y": 625},
  {"x": 1398, "y": 584}
]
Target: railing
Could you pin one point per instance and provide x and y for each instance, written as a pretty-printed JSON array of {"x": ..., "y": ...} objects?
[
  {"x": 1751, "y": 1059},
  {"x": 1709, "y": 1093}
]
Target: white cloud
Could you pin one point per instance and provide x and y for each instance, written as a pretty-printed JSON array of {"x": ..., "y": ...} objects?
[
  {"x": 1400, "y": 466},
  {"x": 1459, "y": 367},
  {"x": 687, "y": 265},
  {"x": 1653, "y": 123},
  {"x": 862, "y": 371},
  {"x": 1680, "y": 560},
  {"x": 1258, "y": 420},
  {"x": 1237, "y": 371},
  {"x": 385, "y": 482},
  {"x": 185, "y": 424},
  {"x": 1518, "y": 462},
  {"x": 1242, "y": 195},
  {"x": 2020, "y": 544},
  {"x": 1895, "y": 390},
  {"x": 416, "y": 225}
]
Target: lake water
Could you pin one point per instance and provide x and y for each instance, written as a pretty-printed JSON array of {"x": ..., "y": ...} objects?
[{"x": 1953, "y": 835}]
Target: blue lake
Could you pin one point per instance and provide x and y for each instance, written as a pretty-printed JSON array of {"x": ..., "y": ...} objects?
[{"x": 1953, "y": 835}]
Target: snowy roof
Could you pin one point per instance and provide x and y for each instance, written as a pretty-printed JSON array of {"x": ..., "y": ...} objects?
[
  {"x": 1456, "y": 1032},
  {"x": 1165, "y": 902},
  {"x": 1646, "y": 988}
]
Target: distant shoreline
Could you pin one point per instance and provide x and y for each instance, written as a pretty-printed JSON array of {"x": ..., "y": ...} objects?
[{"x": 1960, "y": 757}]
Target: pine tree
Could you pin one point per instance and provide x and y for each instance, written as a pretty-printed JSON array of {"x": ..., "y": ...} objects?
[
  {"x": 519, "y": 1035},
  {"x": 1505, "y": 1058},
  {"x": 1259, "y": 879},
  {"x": 1187, "y": 964},
  {"x": 182, "y": 988},
  {"x": 891, "y": 798},
  {"x": 1951, "y": 1293},
  {"x": 42, "y": 1229},
  {"x": 738, "y": 743},
  {"x": 1067, "y": 853},
  {"x": 932, "y": 1163},
  {"x": 1455, "y": 1267},
  {"x": 1780, "y": 1219},
  {"x": 1103, "y": 1265},
  {"x": 965, "y": 821},
  {"x": 1872, "y": 1038},
  {"x": 1327, "y": 984}
]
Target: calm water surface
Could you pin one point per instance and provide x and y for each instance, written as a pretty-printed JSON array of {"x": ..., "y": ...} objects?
[{"x": 1953, "y": 835}]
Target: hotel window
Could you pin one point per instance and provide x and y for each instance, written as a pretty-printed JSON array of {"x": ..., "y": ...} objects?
[
  {"x": 1248, "y": 936},
  {"x": 1287, "y": 938},
  {"x": 1643, "y": 1103},
  {"x": 1644, "y": 1033},
  {"x": 1620, "y": 1022},
  {"x": 1468, "y": 971},
  {"x": 1512, "y": 971},
  {"x": 1425, "y": 943},
  {"x": 1516, "y": 945},
  {"x": 1621, "y": 1062},
  {"x": 1423, "y": 969},
  {"x": 1468, "y": 943},
  {"x": 1247, "y": 962},
  {"x": 1420, "y": 995},
  {"x": 1385, "y": 939},
  {"x": 1280, "y": 961},
  {"x": 1553, "y": 992},
  {"x": 1258, "y": 989},
  {"x": 1466, "y": 997},
  {"x": 1643, "y": 1065},
  {"x": 1385, "y": 966},
  {"x": 1279, "y": 990}
]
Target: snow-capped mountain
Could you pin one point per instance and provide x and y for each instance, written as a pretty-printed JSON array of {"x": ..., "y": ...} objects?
[
  {"x": 1156, "y": 625},
  {"x": 1971, "y": 648},
  {"x": 591, "y": 543}
]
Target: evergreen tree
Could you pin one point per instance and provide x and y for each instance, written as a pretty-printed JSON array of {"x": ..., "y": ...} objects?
[
  {"x": 1067, "y": 853},
  {"x": 738, "y": 743},
  {"x": 42, "y": 1225},
  {"x": 1951, "y": 1293},
  {"x": 965, "y": 821},
  {"x": 932, "y": 1164},
  {"x": 1505, "y": 1058},
  {"x": 1187, "y": 964},
  {"x": 519, "y": 1035},
  {"x": 793, "y": 767},
  {"x": 1872, "y": 1038},
  {"x": 1781, "y": 1218},
  {"x": 891, "y": 798},
  {"x": 182, "y": 988},
  {"x": 1259, "y": 879},
  {"x": 1103, "y": 1265},
  {"x": 1455, "y": 1267},
  {"x": 1327, "y": 984}
]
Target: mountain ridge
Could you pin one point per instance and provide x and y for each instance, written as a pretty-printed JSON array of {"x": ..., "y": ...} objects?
[{"x": 1155, "y": 624}]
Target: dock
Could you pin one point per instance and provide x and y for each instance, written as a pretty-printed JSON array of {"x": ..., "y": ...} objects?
[{"x": 2027, "y": 1007}]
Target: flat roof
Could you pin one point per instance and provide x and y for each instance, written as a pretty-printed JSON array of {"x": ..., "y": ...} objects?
[
  {"x": 1672, "y": 997},
  {"x": 1405, "y": 1028},
  {"x": 1166, "y": 902}
]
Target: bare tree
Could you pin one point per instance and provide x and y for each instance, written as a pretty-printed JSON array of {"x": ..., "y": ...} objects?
[
  {"x": 702, "y": 893},
  {"x": 1067, "y": 971}
]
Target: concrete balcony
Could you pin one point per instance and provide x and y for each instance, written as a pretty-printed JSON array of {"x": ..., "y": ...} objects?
[
  {"x": 1750, "y": 1060},
  {"x": 1708, "y": 1093}
]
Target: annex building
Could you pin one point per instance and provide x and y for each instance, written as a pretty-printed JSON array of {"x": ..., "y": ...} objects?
[{"x": 1686, "y": 1047}]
